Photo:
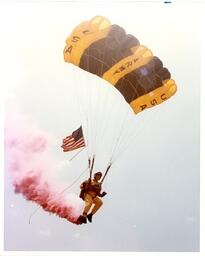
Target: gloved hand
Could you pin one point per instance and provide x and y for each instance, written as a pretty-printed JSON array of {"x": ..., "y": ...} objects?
[{"x": 103, "y": 194}]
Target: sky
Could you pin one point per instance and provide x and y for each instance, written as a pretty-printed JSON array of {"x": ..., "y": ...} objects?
[{"x": 153, "y": 186}]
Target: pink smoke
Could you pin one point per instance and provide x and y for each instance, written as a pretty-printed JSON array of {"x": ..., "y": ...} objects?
[{"x": 33, "y": 168}]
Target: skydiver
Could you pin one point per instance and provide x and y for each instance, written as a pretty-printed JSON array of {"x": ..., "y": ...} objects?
[{"x": 90, "y": 193}]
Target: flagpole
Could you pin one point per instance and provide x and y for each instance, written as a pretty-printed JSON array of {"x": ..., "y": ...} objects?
[{"x": 76, "y": 154}]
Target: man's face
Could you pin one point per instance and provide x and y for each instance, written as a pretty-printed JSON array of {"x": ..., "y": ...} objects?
[{"x": 97, "y": 177}]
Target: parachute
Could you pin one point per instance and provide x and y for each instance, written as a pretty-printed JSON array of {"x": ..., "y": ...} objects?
[{"x": 107, "y": 51}]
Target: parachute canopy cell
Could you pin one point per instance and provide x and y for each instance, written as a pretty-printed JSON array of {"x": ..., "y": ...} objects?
[{"x": 107, "y": 51}]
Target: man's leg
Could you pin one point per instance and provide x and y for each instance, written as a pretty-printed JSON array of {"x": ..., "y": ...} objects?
[
  {"x": 98, "y": 203},
  {"x": 88, "y": 203}
]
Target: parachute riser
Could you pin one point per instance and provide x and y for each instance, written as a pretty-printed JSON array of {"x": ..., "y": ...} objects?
[
  {"x": 106, "y": 172},
  {"x": 91, "y": 166}
]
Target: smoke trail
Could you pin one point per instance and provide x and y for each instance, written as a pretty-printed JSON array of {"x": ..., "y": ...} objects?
[{"x": 33, "y": 167}]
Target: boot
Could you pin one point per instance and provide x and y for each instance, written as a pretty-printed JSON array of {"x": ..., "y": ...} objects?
[
  {"x": 89, "y": 217},
  {"x": 82, "y": 219}
]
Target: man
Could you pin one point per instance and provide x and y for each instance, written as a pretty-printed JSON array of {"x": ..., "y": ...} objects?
[{"x": 90, "y": 193}]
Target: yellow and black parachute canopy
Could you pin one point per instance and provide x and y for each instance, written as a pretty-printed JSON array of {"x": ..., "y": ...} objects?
[{"x": 106, "y": 50}]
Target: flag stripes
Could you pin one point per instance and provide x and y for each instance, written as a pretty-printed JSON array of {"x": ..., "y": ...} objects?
[{"x": 74, "y": 141}]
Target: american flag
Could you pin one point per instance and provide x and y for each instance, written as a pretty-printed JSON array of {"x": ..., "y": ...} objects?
[{"x": 74, "y": 141}]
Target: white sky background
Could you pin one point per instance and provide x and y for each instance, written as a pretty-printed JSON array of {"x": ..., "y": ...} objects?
[{"x": 153, "y": 189}]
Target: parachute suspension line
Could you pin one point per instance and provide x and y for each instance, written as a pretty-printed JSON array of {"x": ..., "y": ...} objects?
[
  {"x": 124, "y": 140},
  {"x": 135, "y": 133},
  {"x": 95, "y": 108},
  {"x": 91, "y": 96},
  {"x": 103, "y": 118},
  {"x": 116, "y": 145},
  {"x": 97, "y": 112},
  {"x": 108, "y": 112},
  {"x": 99, "y": 106},
  {"x": 88, "y": 97},
  {"x": 79, "y": 106},
  {"x": 86, "y": 138},
  {"x": 73, "y": 183},
  {"x": 77, "y": 96},
  {"x": 121, "y": 140},
  {"x": 113, "y": 110},
  {"x": 127, "y": 143},
  {"x": 102, "y": 103},
  {"x": 58, "y": 194},
  {"x": 95, "y": 115}
]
